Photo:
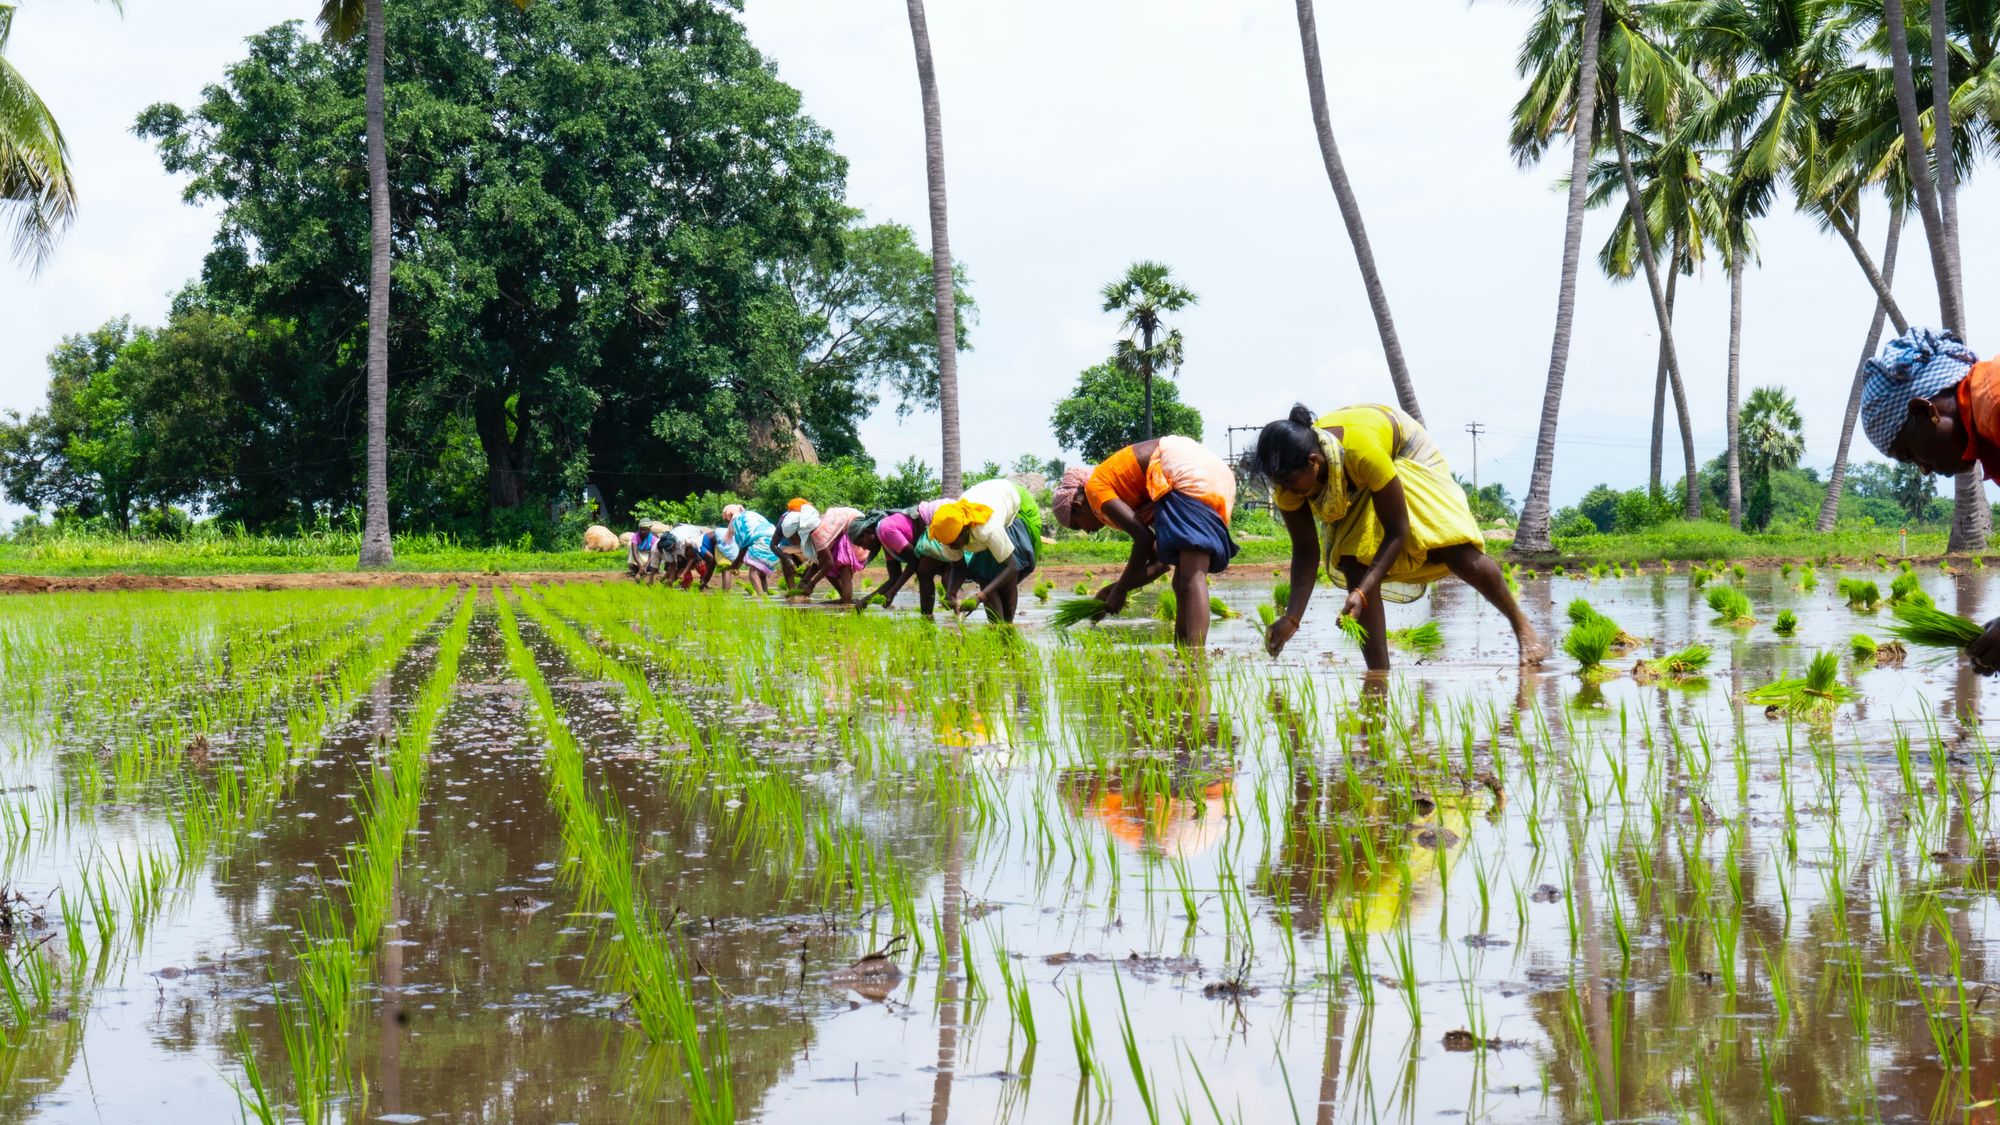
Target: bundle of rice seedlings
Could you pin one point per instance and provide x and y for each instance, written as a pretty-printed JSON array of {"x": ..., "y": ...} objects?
[
  {"x": 1220, "y": 608},
  {"x": 1862, "y": 646},
  {"x": 1588, "y": 643},
  {"x": 1355, "y": 630},
  {"x": 1424, "y": 640},
  {"x": 1731, "y": 606},
  {"x": 1169, "y": 607},
  {"x": 1699, "y": 576},
  {"x": 1932, "y": 627},
  {"x": 1787, "y": 623},
  {"x": 1281, "y": 595},
  {"x": 1268, "y": 614},
  {"x": 1809, "y": 579},
  {"x": 1557, "y": 570},
  {"x": 1581, "y": 611},
  {"x": 1739, "y": 572},
  {"x": 1861, "y": 593},
  {"x": 1903, "y": 587},
  {"x": 1075, "y": 611},
  {"x": 1043, "y": 589},
  {"x": 1813, "y": 697},
  {"x": 1083, "y": 588},
  {"x": 1785, "y": 570},
  {"x": 1978, "y": 562},
  {"x": 1683, "y": 665}
]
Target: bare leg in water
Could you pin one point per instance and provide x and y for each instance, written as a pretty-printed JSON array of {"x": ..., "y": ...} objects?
[{"x": 1472, "y": 566}]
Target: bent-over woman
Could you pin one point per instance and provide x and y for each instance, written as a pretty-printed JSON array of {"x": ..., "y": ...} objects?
[
  {"x": 745, "y": 544},
  {"x": 989, "y": 535},
  {"x": 1174, "y": 498},
  {"x": 1366, "y": 491},
  {"x": 831, "y": 555},
  {"x": 896, "y": 534}
]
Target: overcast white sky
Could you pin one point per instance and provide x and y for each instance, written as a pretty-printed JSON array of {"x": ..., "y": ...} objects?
[{"x": 1081, "y": 135}]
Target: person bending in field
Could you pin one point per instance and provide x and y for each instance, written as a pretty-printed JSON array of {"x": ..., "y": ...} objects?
[
  {"x": 745, "y": 544},
  {"x": 1927, "y": 401},
  {"x": 689, "y": 553},
  {"x": 895, "y": 535},
  {"x": 1174, "y": 499},
  {"x": 1366, "y": 491},
  {"x": 642, "y": 554},
  {"x": 989, "y": 535},
  {"x": 788, "y": 542},
  {"x": 833, "y": 557}
]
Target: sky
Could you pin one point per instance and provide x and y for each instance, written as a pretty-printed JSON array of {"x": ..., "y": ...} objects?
[{"x": 1083, "y": 135}]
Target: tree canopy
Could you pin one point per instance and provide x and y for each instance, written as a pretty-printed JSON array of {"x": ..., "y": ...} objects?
[{"x": 1107, "y": 412}]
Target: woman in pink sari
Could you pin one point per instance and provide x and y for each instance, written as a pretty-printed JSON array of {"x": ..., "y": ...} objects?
[{"x": 831, "y": 555}]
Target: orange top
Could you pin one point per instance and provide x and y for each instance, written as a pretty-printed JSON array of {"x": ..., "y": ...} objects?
[
  {"x": 1178, "y": 464},
  {"x": 1979, "y": 413}
]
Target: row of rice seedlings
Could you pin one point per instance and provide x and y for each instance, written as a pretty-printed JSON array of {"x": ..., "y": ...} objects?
[
  {"x": 645, "y": 959},
  {"x": 1860, "y": 594}
]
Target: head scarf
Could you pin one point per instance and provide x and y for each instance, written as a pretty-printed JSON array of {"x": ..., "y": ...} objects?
[
  {"x": 796, "y": 503},
  {"x": 1069, "y": 491},
  {"x": 799, "y": 522},
  {"x": 731, "y": 511},
  {"x": 1918, "y": 364},
  {"x": 951, "y": 519}
]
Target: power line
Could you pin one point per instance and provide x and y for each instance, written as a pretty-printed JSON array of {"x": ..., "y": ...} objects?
[{"x": 1475, "y": 429}]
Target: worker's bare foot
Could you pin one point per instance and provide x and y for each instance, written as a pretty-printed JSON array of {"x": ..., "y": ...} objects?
[{"x": 1533, "y": 651}]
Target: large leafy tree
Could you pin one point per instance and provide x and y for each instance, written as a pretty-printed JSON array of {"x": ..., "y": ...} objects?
[
  {"x": 1143, "y": 298},
  {"x": 590, "y": 247},
  {"x": 1108, "y": 411},
  {"x": 82, "y": 454}
]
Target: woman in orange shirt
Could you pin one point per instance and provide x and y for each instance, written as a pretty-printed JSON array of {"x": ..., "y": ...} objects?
[{"x": 1174, "y": 498}]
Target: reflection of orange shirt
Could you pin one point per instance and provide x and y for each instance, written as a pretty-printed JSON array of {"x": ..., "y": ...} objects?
[{"x": 1979, "y": 413}]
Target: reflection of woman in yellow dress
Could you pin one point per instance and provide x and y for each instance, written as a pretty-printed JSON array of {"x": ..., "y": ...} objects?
[{"x": 1367, "y": 492}]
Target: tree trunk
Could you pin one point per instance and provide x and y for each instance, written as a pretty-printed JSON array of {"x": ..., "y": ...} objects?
[
  {"x": 1971, "y": 519},
  {"x": 1733, "y": 454},
  {"x": 1943, "y": 153},
  {"x": 941, "y": 273},
  {"x": 1884, "y": 292},
  {"x": 1660, "y": 382},
  {"x": 1146, "y": 370},
  {"x": 1661, "y": 314},
  {"x": 377, "y": 550},
  {"x": 1350, "y": 214},
  {"x": 1533, "y": 532},
  {"x": 503, "y": 451},
  {"x": 1829, "y": 508}
]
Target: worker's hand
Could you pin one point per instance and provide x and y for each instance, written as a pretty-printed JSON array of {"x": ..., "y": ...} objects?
[
  {"x": 1985, "y": 651},
  {"x": 1357, "y": 600},
  {"x": 1281, "y": 631},
  {"x": 1113, "y": 597}
]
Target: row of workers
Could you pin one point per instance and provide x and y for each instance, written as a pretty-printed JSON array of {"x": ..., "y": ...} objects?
[{"x": 1364, "y": 492}]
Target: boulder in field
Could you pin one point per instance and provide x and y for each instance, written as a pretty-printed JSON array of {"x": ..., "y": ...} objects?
[{"x": 597, "y": 537}]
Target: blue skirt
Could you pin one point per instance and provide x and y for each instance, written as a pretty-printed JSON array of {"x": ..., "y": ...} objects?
[
  {"x": 1182, "y": 523},
  {"x": 985, "y": 568}
]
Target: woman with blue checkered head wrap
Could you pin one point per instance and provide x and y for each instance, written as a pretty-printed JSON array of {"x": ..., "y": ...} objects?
[{"x": 1909, "y": 405}]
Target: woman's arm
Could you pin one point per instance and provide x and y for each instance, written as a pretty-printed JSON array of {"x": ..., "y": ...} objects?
[
  {"x": 1304, "y": 530},
  {"x": 1392, "y": 508},
  {"x": 1142, "y": 568},
  {"x": 1010, "y": 571}
]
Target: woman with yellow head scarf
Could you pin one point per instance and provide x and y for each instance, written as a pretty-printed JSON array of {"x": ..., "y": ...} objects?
[
  {"x": 1366, "y": 492},
  {"x": 990, "y": 535}
]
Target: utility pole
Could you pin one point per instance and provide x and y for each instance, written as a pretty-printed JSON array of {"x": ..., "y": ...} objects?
[{"x": 1475, "y": 429}]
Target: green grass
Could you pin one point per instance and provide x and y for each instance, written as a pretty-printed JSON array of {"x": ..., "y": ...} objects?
[{"x": 1706, "y": 540}]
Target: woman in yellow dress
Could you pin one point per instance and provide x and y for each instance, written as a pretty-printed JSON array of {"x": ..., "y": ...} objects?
[{"x": 1366, "y": 492}]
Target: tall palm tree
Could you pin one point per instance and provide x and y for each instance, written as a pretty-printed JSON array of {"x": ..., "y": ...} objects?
[
  {"x": 1350, "y": 214},
  {"x": 1533, "y": 532},
  {"x": 1773, "y": 440},
  {"x": 342, "y": 20},
  {"x": 37, "y": 189},
  {"x": 1144, "y": 296},
  {"x": 1836, "y": 481},
  {"x": 1971, "y": 520},
  {"x": 942, "y": 280}
]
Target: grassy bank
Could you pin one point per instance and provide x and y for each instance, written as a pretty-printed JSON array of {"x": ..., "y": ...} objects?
[{"x": 80, "y": 555}]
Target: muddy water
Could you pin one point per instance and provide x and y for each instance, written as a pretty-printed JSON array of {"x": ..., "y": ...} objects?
[{"x": 1669, "y": 905}]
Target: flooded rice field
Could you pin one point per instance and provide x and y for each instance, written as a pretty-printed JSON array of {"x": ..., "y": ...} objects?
[{"x": 571, "y": 853}]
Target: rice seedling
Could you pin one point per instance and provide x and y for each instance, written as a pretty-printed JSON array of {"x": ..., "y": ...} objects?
[
  {"x": 1862, "y": 647},
  {"x": 1353, "y": 628},
  {"x": 1814, "y": 696},
  {"x": 1681, "y": 664},
  {"x": 1860, "y": 593},
  {"x": 1043, "y": 589},
  {"x": 1930, "y": 627},
  {"x": 1903, "y": 588},
  {"x": 1588, "y": 644},
  {"x": 1786, "y": 624},
  {"x": 1220, "y": 608},
  {"x": 1425, "y": 639},
  {"x": 1267, "y": 615},
  {"x": 1168, "y": 607},
  {"x": 1281, "y": 595},
  {"x": 1731, "y": 606}
]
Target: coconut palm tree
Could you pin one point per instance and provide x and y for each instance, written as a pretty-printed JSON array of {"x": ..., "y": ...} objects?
[
  {"x": 942, "y": 281},
  {"x": 1144, "y": 296},
  {"x": 1836, "y": 481},
  {"x": 37, "y": 189},
  {"x": 1350, "y": 214},
  {"x": 1550, "y": 30},
  {"x": 1773, "y": 440}
]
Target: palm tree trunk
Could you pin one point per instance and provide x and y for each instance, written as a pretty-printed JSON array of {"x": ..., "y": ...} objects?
[
  {"x": 1533, "y": 532},
  {"x": 1971, "y": 519},
  {"x": 1147, "y": 370},
  {"x": 1660, "y": 382},
  {"x": 941, "y": 271},
  {"x": 1885, "y": 295},
  {"x": 1836, "y": 481},
  {"x": 377, "y": 549},
  {"x": 1661, "y": 313},
  {"x": 1350, "y": 214},
  {"x": 1942, "y": 150},
  {"x": 1733, "y": 455}
]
